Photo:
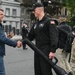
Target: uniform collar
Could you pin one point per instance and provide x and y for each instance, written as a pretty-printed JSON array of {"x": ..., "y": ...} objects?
[{"x": 44, "y": 17}]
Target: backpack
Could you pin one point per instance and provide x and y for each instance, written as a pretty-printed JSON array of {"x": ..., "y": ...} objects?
[
  {"x": 68, "y": 44},
  {"x": 65, "y": 38}
]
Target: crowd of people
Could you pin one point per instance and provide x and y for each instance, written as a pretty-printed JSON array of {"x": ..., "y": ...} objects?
[{"x": 46, "y": 34}]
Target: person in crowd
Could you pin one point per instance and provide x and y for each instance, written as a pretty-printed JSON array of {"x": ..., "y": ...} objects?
[
  {"x": 45, "y": 33},
  {"x": 10, "y": 35},
  {"x": 5, "y": 40},
  {"x": 24, "y": 34},
  {"x": 73, "y": 52},
  {"x": 61, "y": 52}
]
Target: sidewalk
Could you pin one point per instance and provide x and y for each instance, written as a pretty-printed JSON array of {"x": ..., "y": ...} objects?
[{"x": 19, "y": 61}]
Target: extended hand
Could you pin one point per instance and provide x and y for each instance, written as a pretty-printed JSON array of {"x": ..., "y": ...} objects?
[{"x": 19, "y": 44}]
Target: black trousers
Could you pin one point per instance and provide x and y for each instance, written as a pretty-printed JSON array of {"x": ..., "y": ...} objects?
[
  {"x": 24, "y": 45},
  {"x": 41, "y": 67}
]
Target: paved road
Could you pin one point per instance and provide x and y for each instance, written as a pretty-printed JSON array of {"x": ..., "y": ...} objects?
[{"x": 19, "y": 61}]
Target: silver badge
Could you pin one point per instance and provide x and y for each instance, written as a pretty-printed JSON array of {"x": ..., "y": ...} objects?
[
  {"x": 34, "y": 26},
  {"x": 41, "y": 25}
]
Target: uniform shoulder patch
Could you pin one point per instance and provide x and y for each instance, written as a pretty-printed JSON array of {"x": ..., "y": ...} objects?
[{"x": 52, "y": 22}]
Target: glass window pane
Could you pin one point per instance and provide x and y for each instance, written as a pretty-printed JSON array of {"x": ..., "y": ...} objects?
[
  {"x": 7, "y": 12},
  {"x": 14, "y": 12}
]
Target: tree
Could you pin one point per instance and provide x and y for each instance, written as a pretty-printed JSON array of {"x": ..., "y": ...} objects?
[
  {"x": 69, "y": 4},
  {"x": 26, "y": 3}
]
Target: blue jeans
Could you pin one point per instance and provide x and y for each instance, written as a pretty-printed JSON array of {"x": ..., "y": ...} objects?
[{"x": 2, "y": 68}]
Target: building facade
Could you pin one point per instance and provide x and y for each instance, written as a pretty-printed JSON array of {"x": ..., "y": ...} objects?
[
  {"x": 25, "y": 17},
  {"x": 11, "y": 19}
]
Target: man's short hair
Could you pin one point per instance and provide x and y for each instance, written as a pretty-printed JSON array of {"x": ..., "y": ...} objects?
[{"x": 1, "y": 10}]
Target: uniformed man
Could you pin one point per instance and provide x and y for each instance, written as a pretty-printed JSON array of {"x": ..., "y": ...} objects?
[{"x": 45, "y": 34}]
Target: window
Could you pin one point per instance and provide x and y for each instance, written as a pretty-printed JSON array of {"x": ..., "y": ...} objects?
[
  {"x": 7, "y": 11},
  {"x": 65, "y": 11},
  {"x": 22, "y": 11},
  {"x": 14, "y": 12}
]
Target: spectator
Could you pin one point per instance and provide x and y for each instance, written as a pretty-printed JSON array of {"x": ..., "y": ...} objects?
[
  {"x": 10, "y": 35},
  {"x": 24, "y": 34},
  {"x": 73, "y": 52},
  {"x": 61, "y": 52}
]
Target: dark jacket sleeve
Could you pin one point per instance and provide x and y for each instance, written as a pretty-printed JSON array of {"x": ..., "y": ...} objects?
[
  {"x": 53, "y": 31},
  {"x": 6, "y": 40},
  {"x": 31, "y": 34}
]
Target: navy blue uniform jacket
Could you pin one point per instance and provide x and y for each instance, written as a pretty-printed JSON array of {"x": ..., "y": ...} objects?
[{"x": 45, "y": 35}]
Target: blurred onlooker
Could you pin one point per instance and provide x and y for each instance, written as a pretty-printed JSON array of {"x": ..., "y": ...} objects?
[
  {"x": 73, "y": 28},
  {"x": 73, "y": 52},
  {"x": 10, "y": 35},
  {"x": 61, "y": 52},
  {"x": 24, "y": 34}
]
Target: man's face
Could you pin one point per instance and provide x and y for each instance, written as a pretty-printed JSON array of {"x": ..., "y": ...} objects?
[
  {"x": 1, "y": 15},
  {"x": 36, "y": 12}
]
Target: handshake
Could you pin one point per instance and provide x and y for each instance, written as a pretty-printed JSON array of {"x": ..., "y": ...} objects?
[{"x": 19, "y": 44}]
